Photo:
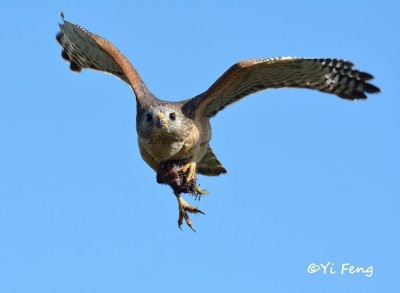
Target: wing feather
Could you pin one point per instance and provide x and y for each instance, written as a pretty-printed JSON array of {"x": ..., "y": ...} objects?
[
  {"x": 333, "y": 76},
  {"x": 82, "y": 49}
]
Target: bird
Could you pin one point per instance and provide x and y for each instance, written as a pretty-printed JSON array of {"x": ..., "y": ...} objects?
[{"x": 181, "y": 131}]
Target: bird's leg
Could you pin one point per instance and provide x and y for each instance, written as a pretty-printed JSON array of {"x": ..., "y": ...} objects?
[
  {"x": 190, "y": 169},
  {"x": 183, "y": 208}
]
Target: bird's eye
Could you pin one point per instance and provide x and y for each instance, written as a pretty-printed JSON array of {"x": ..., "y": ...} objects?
[
  {"x": 172, "y": 116},
  {"x": 149, "y": 117}
]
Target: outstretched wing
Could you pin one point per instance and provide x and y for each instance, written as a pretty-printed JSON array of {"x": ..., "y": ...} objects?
[
  {"x": 82, "y": 49},
  {"x": 333, "y": 76}
]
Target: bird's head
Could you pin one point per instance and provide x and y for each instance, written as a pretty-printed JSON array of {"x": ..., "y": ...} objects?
[{"x": 165, "y": 120}]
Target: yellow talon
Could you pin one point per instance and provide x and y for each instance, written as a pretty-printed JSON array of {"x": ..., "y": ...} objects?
[
  {"x": 184, "y": 207},
  {"x": 190, "y": 169},
  {"x": 201, "y": 192}
]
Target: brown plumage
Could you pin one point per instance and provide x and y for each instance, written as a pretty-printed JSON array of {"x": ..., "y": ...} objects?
[
  {"x": 210, "y": 165},
  {"x": 174, "y": 137}
]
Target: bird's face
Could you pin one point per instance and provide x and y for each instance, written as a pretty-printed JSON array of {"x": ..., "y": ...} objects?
[{"x": 162, "y": 121}]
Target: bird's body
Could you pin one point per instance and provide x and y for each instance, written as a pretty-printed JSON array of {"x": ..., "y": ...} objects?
[
  {"x": 190, "y": 141},
  {"x": 181, "y": 131}
]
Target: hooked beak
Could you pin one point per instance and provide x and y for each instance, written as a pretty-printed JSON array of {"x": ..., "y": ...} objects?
[{"x": 160, "y": 120}]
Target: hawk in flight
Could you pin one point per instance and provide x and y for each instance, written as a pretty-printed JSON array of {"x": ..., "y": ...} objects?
[{"x": 175, "y": 136}]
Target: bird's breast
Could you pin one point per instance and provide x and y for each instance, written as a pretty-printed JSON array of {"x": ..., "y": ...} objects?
[{"x": 161, "y": 148}]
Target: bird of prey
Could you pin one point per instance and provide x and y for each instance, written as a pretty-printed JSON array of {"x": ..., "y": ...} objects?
[{"x": 181, "y": 131}]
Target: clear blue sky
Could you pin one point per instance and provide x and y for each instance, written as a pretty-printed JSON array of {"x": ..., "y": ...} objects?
[{"x": 81, "y": 212}]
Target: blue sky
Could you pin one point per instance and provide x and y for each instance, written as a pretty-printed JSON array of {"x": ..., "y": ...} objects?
[{"x": 311, "y": 178}]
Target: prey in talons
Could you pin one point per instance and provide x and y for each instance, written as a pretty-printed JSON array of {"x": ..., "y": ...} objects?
[{"x": 175, "y": 174}]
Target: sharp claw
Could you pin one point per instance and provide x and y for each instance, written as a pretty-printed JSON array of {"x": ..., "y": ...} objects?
[
  {"x": 190, "y": 170},
  {"x": 200, "y": 192},
  {"x": 184, "y": 207}
]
